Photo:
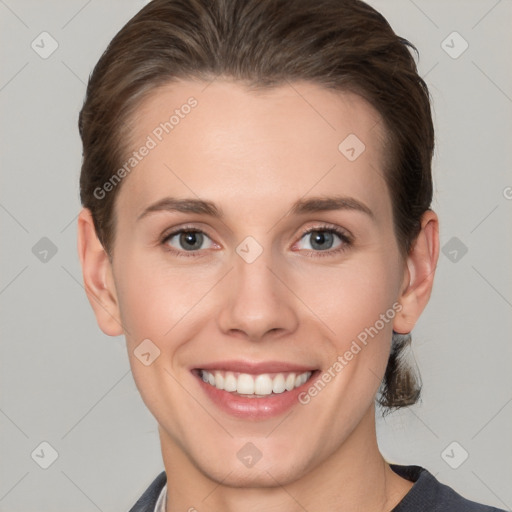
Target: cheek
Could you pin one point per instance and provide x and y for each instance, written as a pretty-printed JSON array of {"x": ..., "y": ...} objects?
[
  {"x": 356, "y": 302},
  {"x": 155, "y": 297},
  {"x": 353, "y": 295},
  {"x": 158, "y": 303}
]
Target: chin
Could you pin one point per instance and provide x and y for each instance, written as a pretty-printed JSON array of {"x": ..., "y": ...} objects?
[{"x": 257, "y": 477}]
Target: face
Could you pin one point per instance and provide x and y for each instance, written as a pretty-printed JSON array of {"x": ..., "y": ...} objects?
[{"x": 289, "y": 271}]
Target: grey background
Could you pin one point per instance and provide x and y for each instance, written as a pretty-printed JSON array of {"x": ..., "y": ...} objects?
[{"x": 64, "y": 382}]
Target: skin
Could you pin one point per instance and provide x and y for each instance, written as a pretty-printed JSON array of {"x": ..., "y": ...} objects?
[{"x": 254, "y": 153}]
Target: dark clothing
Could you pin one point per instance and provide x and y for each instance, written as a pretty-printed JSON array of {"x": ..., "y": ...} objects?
[{"x": 426, "y": 495}]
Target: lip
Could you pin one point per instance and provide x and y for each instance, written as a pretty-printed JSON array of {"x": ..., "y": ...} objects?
[
  {"x": 255, "y": 368},
  {"x": 254, "y": 408}
]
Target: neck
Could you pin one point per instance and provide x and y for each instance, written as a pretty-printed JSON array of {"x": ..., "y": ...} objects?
[{"x": 355, "y": 476}]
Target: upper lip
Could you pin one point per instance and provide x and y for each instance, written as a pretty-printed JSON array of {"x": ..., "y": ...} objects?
[{"x": 256, "y": 368}]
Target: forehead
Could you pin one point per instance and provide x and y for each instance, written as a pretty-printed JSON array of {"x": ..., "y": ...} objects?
[{"x": 223, "y": 140}]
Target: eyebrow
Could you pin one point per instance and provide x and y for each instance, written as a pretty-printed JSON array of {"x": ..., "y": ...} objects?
[{"x": 300, "y": 207}]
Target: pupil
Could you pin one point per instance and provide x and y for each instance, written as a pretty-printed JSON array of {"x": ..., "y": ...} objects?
[
  {"x": 191, "y": 238},
  {"x": 320, "y": 238}
]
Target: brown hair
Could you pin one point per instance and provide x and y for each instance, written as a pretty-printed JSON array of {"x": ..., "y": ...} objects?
[{"x": 343, "y": 45}]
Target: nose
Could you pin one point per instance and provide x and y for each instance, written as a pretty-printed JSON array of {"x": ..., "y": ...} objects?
[{"x": 256, "y": 302}]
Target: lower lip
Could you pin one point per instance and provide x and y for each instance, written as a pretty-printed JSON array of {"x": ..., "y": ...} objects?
[{"x": 254, "y": 408}]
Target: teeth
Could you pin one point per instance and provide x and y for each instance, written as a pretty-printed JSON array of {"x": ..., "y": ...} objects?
[
  {"x": 278, "y": 384},
  {"x": 230, "y": 381},
  {"x": 219, "y": 380},
  {"x": 245, "y": 384},
  {"x": 263, "y": 385},
  {"x": 258, "y": 385},
  {"x": 299, "y": 380},
  {"x": 290, "y": 382}
]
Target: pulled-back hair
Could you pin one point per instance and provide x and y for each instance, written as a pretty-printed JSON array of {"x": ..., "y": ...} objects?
[{"x": 343, "y": 45}]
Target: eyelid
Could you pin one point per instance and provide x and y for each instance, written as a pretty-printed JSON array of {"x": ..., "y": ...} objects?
[
  {"x": 168, "y": 233},
  {"x": 325, "y": 226}
]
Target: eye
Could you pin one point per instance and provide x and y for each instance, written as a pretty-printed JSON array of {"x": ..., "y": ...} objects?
[
  {"x": 187, "y": 240},
  {"x": 325, "y": 239},
  {"x": 319, "y": 239}
]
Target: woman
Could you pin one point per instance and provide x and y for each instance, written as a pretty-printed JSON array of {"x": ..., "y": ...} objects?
[{"x": 256, "y": 187}]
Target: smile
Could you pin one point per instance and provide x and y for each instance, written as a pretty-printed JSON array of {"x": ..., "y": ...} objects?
[
  {"x": 254, "y": 386},
  {"x": 252, "y": 390}
]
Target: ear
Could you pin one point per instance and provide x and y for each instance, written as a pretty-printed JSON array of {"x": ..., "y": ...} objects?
[
  {"x": 98, "y": 277},
  {"x": 418, "y": 274}
]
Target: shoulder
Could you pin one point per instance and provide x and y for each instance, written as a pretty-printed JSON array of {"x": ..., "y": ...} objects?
[
  {"x": 147, "y": 502},
  {"x": 428, "y": 494}
]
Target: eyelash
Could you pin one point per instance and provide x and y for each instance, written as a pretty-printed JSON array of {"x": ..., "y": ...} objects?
[{"x": 344, "y": 237}]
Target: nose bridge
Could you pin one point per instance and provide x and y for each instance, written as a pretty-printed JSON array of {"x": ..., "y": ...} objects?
[
  {"x": 256, "y": 301},
  {"x": 253, "y": 271}
]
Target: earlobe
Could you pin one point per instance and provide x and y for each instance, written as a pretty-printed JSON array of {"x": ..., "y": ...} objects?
[
  {"x": 97, "y": 276},
  {"x": 419, "y": 274}
]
